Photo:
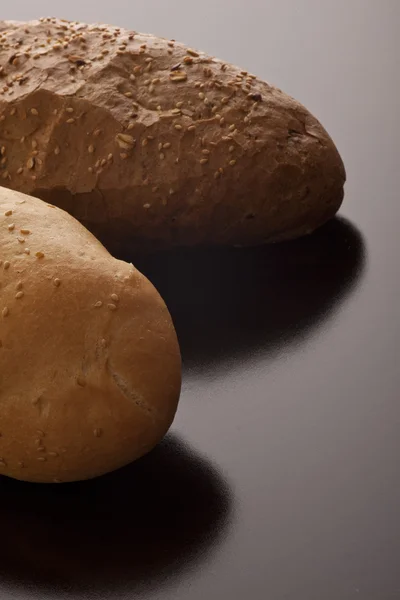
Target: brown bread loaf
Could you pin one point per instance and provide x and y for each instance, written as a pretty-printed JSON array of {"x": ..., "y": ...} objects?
[
  {"x": 147, "y": 141},
  {"x": 89, "y": 360}
]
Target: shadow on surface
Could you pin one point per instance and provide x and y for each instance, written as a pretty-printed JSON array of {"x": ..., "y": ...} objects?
[
  {"x": 132, "y": 529},
  {"x": 233, "y": 303}
]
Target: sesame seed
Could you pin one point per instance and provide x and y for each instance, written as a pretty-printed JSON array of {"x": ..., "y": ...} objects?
[
  {"x": 191, "y": 127},
  {"x": 123, "y": 155},
  {"x": 97, "y": 132},
  {"x": 144, "y": 142},
  {"x": 231, "y": 148},
  {"x": 21, "y": 239},
  {"x": 34, "y": 112},
  {"x": 146, "y": 206},
  {"x": 178, "y": 127},
  {"x": 53, "y": 454},
  {"x": 205, "y": 151},
  {"x": 30, "y": 163},
  {"x": 98, "y": 304},
  {"x": 39, "y": 254},
  {"x": 19, "y": 295},
  {"x": 41, "y": 458},
  {"x": 232, "y": 127},
  {"x": 27, "y": 251},
  {"x": 20, "y": 170},
  {"x": 125, "y": 141},
  {"x": 3, "y": 150},
  {"x": 114, "y": 297},
  {"x": 81, "y": 381},
  {"x": 110, "y": 157},
  {"x": 232, "y": 162},
  {"x": 166, "y": 145},
  {"x": 6, "y": 265},
  {"x": 69, "y": 121},
  {"x": 25, "y": 231},
  {"x": 201, "y": 95},
  {"x": 8, "y": 213},
  {"x": 14, "y": 110},
  {"x": 203, "y": 161},
  {"x": 91, "y": 149},
  {"x": 178, "y": 76},
  {"x": 56, "y": 150},
  {"x": 192, "y": 52},
  {"x": 162, "y": 155},
  {"x": 222, "y": 121},
  {"x": 98, "y": 432},
  {"x": 5, "y": 312},
  {"x": 111, "y": 307},
  {"x": 11, "y": 227}
]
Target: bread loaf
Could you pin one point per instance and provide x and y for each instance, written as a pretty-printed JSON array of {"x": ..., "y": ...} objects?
[
  {"x": 89, "y": 360},
  {"x": 147, "y": 141}
]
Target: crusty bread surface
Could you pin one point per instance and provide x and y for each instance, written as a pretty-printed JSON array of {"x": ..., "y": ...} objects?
[
  {"x": 89, "y": 359},
  {"x": 150, "y": 143}
]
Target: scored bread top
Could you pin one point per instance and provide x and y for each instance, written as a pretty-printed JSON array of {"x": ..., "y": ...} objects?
[{"x": 144, "y": 138}]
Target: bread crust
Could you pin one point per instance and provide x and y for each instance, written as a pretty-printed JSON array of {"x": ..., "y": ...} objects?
[
  {"x": 89, "y": 359},
  {"x": 151, "y": 143}
]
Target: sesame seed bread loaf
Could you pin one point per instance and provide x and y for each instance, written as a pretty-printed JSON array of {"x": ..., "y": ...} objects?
[
  {"x": 89, "y": 360},
  {"x": 147, "y": 141}
]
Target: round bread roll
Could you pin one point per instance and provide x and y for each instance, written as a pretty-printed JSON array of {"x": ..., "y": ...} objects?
[
  {"x": 90, "y": 367},
  {"x": 150, "y": 143}
]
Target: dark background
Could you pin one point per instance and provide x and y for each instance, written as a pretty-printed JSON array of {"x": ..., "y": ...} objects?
[{"x": 280, "y": 479}]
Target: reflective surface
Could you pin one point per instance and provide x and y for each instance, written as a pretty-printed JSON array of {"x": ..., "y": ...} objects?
[
  {"x": 280, "y": 480},
  {"x": 135, "y": 529}
]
